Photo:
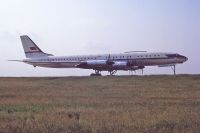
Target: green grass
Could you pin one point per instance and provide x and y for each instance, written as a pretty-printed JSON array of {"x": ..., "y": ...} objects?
[{"x": 100, "y": 104}]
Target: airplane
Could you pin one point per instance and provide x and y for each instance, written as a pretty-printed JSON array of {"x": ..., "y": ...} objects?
[{"x": 128, "y": 61}]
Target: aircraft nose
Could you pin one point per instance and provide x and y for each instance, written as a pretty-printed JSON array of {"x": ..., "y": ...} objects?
[
  {"x": 182, "y": 58},
  {"x": 185, "y": 58}
]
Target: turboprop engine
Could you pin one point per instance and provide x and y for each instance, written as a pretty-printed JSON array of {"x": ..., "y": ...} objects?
[
  {"x": 102, "y": 63},
  {"x": 106, "y": 65},
  {"x": 120, "y": 64},
  {"x": 95, "y": 63}
]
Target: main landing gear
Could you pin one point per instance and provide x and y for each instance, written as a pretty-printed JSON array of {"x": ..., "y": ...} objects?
[
  {"x": 112, "y": 72},
  {"x": 97, "y": 73}
]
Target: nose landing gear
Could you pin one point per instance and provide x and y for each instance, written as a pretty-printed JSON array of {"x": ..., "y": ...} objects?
[{"x": 174, "y": 69}]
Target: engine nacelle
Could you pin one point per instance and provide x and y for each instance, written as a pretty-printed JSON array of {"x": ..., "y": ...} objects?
[
  {"x": 136, "y": 68},
  {"x": 120, "y": 64},
  {"x": 96, "y": 62}
]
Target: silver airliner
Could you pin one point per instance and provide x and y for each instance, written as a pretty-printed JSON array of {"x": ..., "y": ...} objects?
[{"x": 128, "y": 61}]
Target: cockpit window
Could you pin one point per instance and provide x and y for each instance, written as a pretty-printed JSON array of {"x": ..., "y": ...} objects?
[
  {"x": 175, "y": 56},
  {"x": 172, "y": 55}
]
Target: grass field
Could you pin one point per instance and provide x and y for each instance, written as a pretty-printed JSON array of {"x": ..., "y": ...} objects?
[{"x": 100, "y": 104}]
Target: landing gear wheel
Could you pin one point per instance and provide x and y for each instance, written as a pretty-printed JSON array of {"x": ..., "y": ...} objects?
[
  {"x": 113, "y": 72},
  {"x": 95, "y": 74}
]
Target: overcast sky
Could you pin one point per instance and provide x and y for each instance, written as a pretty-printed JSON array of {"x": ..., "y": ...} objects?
[{"x": 70, "y": 27}]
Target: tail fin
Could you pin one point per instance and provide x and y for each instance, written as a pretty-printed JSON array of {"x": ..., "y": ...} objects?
[{"x": 31, "y": 50}]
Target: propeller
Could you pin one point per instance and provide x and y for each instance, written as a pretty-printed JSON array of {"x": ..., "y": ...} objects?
[{"x": 109, "y": 60}]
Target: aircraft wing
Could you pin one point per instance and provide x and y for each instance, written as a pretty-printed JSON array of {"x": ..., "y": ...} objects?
[{"x": 106, "y": 65}]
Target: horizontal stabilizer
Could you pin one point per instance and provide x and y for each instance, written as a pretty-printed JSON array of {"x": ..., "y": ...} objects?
[{"x": 16, "y": 60}]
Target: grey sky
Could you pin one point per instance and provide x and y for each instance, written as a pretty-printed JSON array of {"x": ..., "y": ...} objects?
[{"x": 70, "y": 27}]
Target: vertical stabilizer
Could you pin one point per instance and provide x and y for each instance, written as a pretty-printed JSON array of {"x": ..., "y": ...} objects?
[{"x": 31, "y": 50}]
